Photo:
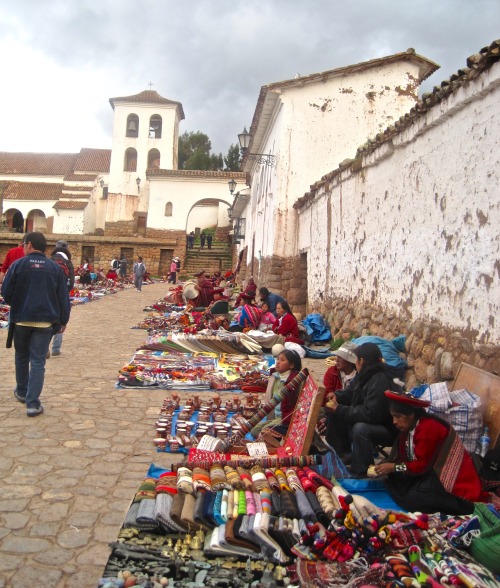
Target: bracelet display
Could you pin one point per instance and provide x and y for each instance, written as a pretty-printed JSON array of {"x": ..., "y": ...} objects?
[{"x": 400, "y": 467}]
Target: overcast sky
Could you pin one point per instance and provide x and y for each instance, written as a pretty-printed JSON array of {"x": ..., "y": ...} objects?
[{"x": 61, "y": 60}]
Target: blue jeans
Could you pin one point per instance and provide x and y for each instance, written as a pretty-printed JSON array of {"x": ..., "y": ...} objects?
[
  {"x": 57, "y": 342},
  {"x": 31, "y": 345}
]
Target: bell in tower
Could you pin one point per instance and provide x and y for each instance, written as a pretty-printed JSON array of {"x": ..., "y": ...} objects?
[{"x": 132, "y": 125}]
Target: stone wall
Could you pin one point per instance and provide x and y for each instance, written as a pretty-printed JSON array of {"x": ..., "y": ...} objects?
[
  {"x": 284, "y": 276},
  {"x": 434, "y": 351}
]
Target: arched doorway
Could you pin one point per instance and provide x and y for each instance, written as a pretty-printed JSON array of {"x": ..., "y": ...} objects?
[
  {"x": 14, "y": 220},
  {"x": 36, "y": 221}
]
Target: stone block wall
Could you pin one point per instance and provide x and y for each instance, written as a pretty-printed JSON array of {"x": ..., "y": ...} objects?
[{"x": 434, "y": 351}]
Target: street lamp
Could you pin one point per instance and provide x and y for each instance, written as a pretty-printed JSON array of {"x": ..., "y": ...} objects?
[
  {"x": 260, "y": 158},
  {"x": 138, "y": 182},
  {"x": 232, "y": 185}
]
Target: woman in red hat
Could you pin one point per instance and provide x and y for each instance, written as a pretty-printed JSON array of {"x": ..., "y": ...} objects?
[{"x": 429, "y": 469}]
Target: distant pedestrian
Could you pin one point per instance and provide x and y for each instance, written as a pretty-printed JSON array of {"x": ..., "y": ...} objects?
[
  {"x": 115, "y": 264},
  {"x": 37, "y": 291},
  {"x": 177, "y": 263},
  {"x": 209, "y": 241},
  {"x": 122, "y": 268},
  {"x": 139, "y": 270},
  {"x": 191, "y": 240},
  {"x": 172, "y": 278},
  {"x": 202, "y": 239},
  {"x": 61, "y": 255}
]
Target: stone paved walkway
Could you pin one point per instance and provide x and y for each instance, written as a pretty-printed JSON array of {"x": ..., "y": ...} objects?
[{"x": 67, "y": 477}]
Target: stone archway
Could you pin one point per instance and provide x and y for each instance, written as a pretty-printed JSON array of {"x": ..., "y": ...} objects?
[
  {"x": 14, "y": 220},
  {"x": 36, "y": 221}
]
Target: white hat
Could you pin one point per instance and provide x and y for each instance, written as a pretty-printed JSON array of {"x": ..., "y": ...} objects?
[
  {"x": 189, "y": 291},
  {"x": 296, "y": 347}
]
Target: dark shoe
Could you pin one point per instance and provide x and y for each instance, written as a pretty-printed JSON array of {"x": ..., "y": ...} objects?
[
  {"x": 19, "y": 397},
  {"x": 33, "y": 412},
  {"x": 55, "y": 353}
]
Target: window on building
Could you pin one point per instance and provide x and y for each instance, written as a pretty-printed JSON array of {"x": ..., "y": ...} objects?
[
  {"x": 153, "y": 158},
  {"x": 132, "y": 129},
  {"x": 130, "y": 163},
  {"x": 168, "y": 209},
  {"x": 155, "y": 127}
]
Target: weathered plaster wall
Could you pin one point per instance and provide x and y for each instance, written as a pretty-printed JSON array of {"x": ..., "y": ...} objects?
[
  {"x": 414, "y": 227},
  {"x": 312, "y": 129}
]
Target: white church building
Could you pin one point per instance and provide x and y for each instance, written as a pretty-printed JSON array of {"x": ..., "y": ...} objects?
[{"x": 130, "y": 199}]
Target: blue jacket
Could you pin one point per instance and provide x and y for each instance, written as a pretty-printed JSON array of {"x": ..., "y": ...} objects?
[
  {"x": 36, "y": 289},
  {"x": 272, "y": 301}
]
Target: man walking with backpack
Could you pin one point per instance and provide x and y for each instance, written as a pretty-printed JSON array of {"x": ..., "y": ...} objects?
[
  {"x": 37, "y": 291},
  {"x": 61, "y": 255},
  {"x": 139, "y": 270}
]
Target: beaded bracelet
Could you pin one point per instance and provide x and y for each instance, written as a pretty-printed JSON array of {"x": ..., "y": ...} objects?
[{"x": 400, "y": 467}]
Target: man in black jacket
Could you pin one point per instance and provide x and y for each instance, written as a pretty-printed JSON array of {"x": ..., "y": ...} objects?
[{"x": 36, "y": 289}]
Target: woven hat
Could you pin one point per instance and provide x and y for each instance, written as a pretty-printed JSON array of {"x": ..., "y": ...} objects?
[
  {"x": 406, "y": 398},
  {"x": 346, "y": 351},
  {"x": 277, "y": 349},
  {"x": 189, "y": 291}
]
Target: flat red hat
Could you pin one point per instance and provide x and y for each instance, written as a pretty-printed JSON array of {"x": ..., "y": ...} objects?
[{"x": 407, "y": 399}]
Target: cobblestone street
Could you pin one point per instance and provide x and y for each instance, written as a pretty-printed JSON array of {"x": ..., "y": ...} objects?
[{"x": 67, "y": 477}]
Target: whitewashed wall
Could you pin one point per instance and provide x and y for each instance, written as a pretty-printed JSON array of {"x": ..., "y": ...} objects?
[
  {"x": 125, "y": 182},
  {"x": 184, "y": 193},
  {"x": 417, "y": 229},
  {"x": 314, "y": 127}
]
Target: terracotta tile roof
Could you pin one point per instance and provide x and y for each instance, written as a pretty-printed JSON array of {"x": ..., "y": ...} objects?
[
  {"x": 427, "y": 67},
  {"x": 77, "y": 188},
  {"x": 71, "y": 177},
  {"x": 93, "y": 160},
  {"x": 65, "y": 205},
  {"x": 147, "y": 97},
  {"x": 39, "y": 164},
  {"x": 193, "y": 173},
  {"x": 32, "y": 191},
  {"x": 476, "y": 65},
  {"x": 80, "y": 195}
]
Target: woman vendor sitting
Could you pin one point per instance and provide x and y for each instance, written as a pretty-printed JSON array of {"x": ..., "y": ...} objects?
[
  {"x": 429, "y": 469},
  {"x": 288, "y": 365},
  {"x": 286, "y": 324}
]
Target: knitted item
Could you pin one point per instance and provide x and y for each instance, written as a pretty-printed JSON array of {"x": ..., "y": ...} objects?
[
  {"x": 236, "y": 501},
  {"x": 208, "y": 508},
  {"x": 282, "y": 481},
  {"x": 218, "y": 478},
  {"x": 316, "y": 478},
  {"x": 293, "y": 480},
  {"x": 242, "y": 503},
  {"x": 272, "y": 480},
  {"x": 198, "y": 517},
  {"x": 275, "y": 503},
  {"x": 325, "y": 499},
  {"x": 224, "y": 505},
  {"x": 319, "y": 513},
  {"x": 176, "y": 510},
  {"x": 230, "y": 505},
  {"x": 246, "y": 478},
  {"x": 233, "y": 478},
  {"x": 201, "y": 479},
  {"x": 146, "y": 519},
  {"x": 163, "y": 507},
  {"x": 259, "y": 478},
  {"x": 306, "y": 483},
  {"x": 250, "y": 502},
  {"x": 167, "y": 483},
  {"x": 185, "y": 481},
  {"x": 146, "y": 490},
  {"x": 258, "y": 502},
  {"x": 265, "y": 497},
  {"x": 306, "y": 512},
  {"x": 288, "y": 505},
  {"x": 217, "y": 508}
]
